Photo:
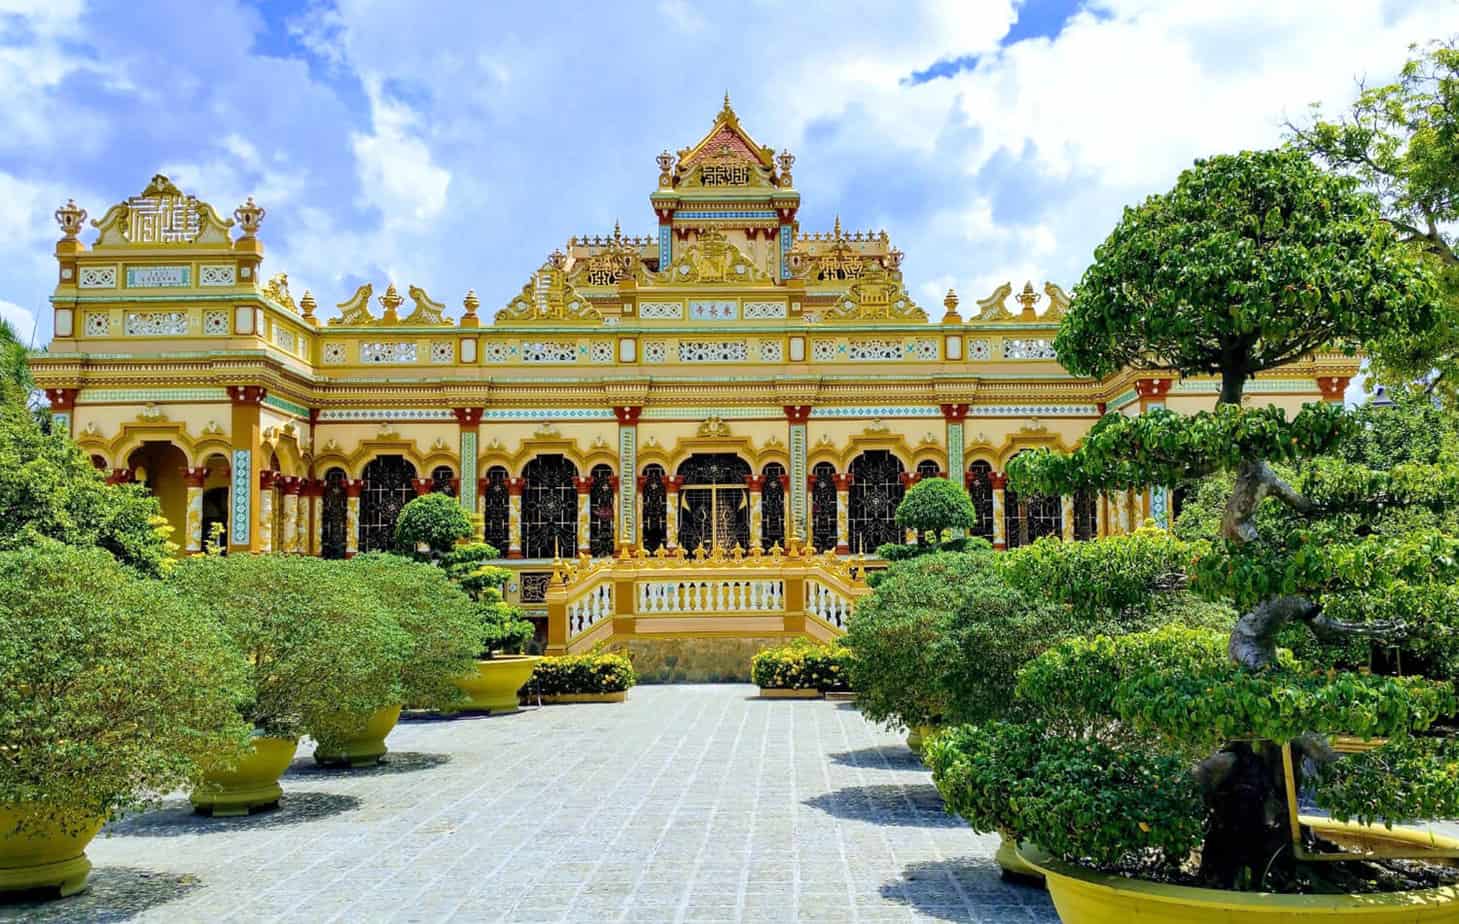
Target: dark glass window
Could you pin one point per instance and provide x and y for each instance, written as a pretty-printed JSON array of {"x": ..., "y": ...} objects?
[
  {"x": 497, "y": 506},
  {"x": 600, "y": 511},
  {"x": 980, "y": 489},
  {"x": 441, "y": 478},
  {"x": 335, "y": 515},
  {"x": 823, "y": 507},
  {"x": 714, "y": 503},
  {"x": 876, "y": 490},
  {"x": 1086, "y": 515},
  {"x": 1028, "y": 519},
  {"x": 928, "y": 468},
  {"x": 654, "y": 528},
  {"x": 387, "y": 489},
  {"x": 550, "y": 508},
  {"x": 772, "y": 507}
]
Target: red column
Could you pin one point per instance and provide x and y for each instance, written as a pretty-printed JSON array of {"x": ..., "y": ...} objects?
[
  {"x": 422, "y": 486},
  {"x": 194, "y": 477},
  {"x": 1333, "y": 387}
]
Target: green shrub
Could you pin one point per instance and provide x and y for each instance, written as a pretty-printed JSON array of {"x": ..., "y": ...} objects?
[
  {"x": 503, "y": 630},
  {"x": 111, "y": 689},
  {"x": 896, "y": 551},
  {"x": 592, "y": 672},
  {"x": 802, "y": 665},
  {"x": 442, "y": 622},
  {"x": 1079, "y": 799},
  {"x": 940, "y": 638},
  {"x": 433, "y": 520},
  {"x": 1108, "y": 580},
  {"x": 321, "y": 647},
  {"x": 933, "y": 505}
]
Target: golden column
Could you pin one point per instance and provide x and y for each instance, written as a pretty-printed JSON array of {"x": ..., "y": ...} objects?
[
  {"x": 999, "y": 481},
  {"x": 515, "y": 486},
  {"x": 843, "y": 511},
  {"x": 194, "y": 479},
  {"x": 671, "y": 510},
  {"x": 584, "y": 487},
  {"x": 1066, "y": 516},
  {"x": 290, "y": 488},
  {"x": 266, "y": 481},
  {"x": 353, "y": 488},
  {"x": 756, "y": 486}
]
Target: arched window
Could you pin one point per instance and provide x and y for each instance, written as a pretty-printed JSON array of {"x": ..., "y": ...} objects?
[
  {"x": 334, "y": 513},
  {"x": 98, "y": 463},
  {"x": 1086, "y": 515},
  {"x": 441, "y": 478},
  {"x": 550, "y": 508},
  {"x": 600, "y": 512},
  {"x": 772, "y": 507},
  {"x": 876, "y": 490},
  {"x": 387, "y": 488},
  {"x": 714, "y": 503},
  {"x": 1028, "y": 519},
  {"x": 928, "y": 468},
  {"x": 980, "y": 489},
  {"x": 654, "y": 528},
  {"x": 823, "y": 506},
  {"x": 497, "y": 506}
]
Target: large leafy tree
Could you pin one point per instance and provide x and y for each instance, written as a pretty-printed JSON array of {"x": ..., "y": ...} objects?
[
  {"x": 1253, "y": 260},
  {"x": 1401, "y": 141}
]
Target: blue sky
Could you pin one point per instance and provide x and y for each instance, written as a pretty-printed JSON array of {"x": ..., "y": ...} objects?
[{"x": 995, "y": 140}]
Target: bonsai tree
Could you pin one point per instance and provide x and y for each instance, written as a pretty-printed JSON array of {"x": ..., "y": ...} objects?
[
  {"x": 503, "y": 630},
  {"x": 319, "y": 649},
  {"x": 934, "y": 506},
  {"x": 440, "y": 620},
  {"x": 1251, "y": 260},
  {"x": 435, "y": 521},
  {"x": 111, "y": 689}
]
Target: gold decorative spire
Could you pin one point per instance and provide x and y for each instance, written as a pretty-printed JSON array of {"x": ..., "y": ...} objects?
[
  {"x": 249, "y": 215},
  {"x": 470, "y": 303},
  {"x": 836, "y": 231},
  {"x": 390, "y": 301},
  {"x": 1028, "y": 298},
  {"x": 617, "y": 231},
  {"x": 786, "y": 160},
  {"x": 666, "y": 165},
  {"x": 70, "y": 217},
  {"x": 950, "y": 303},
  {"x": 727, "y": 108},
  {"x": 307, "y": 304}
]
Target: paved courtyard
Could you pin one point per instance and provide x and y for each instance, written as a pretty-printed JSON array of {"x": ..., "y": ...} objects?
[{"x": 687, "y": 803}]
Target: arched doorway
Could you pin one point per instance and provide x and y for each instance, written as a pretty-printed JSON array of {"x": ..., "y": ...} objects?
[
  {"x": 387, "y": 489},
  {"x": 876, "y": 490},
  {"x": 654, "y": 528},
  {"x": 714, "y": 502},
  {"x": 159, "y": 465},
  {"x": 442, "y": 478},
  {"x": 497, "y": 508},
  {"x": 550, "y": 508},
  {"x": 334, "y": 515},
  {"x": 216, "y": 486},
  {"x": 823, "y": 506},
  {"x": 980, "y": 491},
  {"x": 772, "y": 506}
]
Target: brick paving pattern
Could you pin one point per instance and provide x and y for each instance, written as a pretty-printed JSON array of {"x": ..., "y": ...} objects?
[{"x": 687, "y": 803}]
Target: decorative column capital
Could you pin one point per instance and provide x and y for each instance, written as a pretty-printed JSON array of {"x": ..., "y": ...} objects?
[
  {"x": 1102, "y": 407},
  {"x": 422, "y": 486},
  {"x": 312, "y": 487},
  {"x": 797, "y": 413},
  {"x": 998, "y": 481},
  {"x": 354, "y": 487},
  {"x": 290, "y": 484},
  {"x": 785, "y": 482},
  {"x": 1333, "y": 387},
  {"x": 121, "y": 476},
  {"x": 672, "y": 483},
  {"x": 247, "y": 394},
  {"x": 482, "y": 484},
  {"x": 909, "y": 478},
  {"x": 843, "y": 481},
  {"x": 1152, "y": 388},
  {"x": 756, "y": 483},
  {"x": 515, "y": 486},
  {"x": 584, "y": 484},
  {"x": 62, "y": 399},
  {"x": 954, "y": 413},
  {"x": 628, "y": 415},
  {"x": 468, "y": 416},
  {"x": 267, "y": 478},
  {"x": 194, "y": 477}
]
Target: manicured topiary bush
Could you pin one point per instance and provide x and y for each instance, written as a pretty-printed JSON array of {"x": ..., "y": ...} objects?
[
  {"x": 802, "y": 665},
  {"x": 503, "y": 629},
  {"x": 435, "y": 521},
  {"x": 934, "y": 506},
  {"x": 320, "y": 645},
  {"x": 591, "y": 672},
  {"x": 111, "y": 688},
  {"x": 442, "y": 622}
]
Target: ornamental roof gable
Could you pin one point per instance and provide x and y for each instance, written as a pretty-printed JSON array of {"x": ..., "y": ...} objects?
[
  {"x": 162, "y": 216},
  {"x": 549, "y": 297},
  {"x": 712, "y": 260}
]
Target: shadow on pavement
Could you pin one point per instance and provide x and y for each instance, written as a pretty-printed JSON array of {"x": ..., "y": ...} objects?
[
  {"x": 113, "y": 893},
  {"x": 967, "y": 888},
  {"x": 395, "y": 762},
  {"x": 176, "y": 817},
  {"x": 914, "y": 806},
  {"x": 887, "y": 757}
]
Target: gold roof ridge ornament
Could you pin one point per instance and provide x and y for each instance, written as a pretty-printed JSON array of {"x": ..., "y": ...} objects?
[
  {"x": 878, "y": 295},
  {"x": 163, "y": 215},
  {"x": 277, "y": 288},
  {"x": 355, "y": 310},
  {"x": 390, "y": 301},
  {"x": 426, "y": 311},
  {"x": 71, "y": 218},
  {"x": 549, "y": 296},
  {"x": 714, "y": 426},
  {"x": 1058, "y": 302},
  {"x": 712, "y": 260},
  {"x": 249, "y": 216},
  {"x": 1028, "y": 298},
  {"x": 994, "y": 307}
]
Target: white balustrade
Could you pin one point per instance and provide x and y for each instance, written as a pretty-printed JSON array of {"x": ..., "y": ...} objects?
[
  {"x": 715, "y": 595},
  {"x": 827, "y": 604},
  {"x": 584, "y": 612}
]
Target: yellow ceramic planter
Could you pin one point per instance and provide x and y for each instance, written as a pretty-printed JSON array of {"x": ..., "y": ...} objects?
[
  {"x": 494, "y": 686},
  {"x": 917, "y": 736},
  {"x": 786, "y": 693},
  {"x": 47, "y": 855},
  {"x": 253, "y": 784},
  {"x": 1085, "y": 897},
  {"x": 366, "y": 748},
  {"x": 1014, "y": 866},
  {"x": 615, "y": 697}
]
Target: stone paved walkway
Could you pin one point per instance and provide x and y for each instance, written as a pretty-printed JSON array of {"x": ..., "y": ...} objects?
[{"x": 687, "y": 803}]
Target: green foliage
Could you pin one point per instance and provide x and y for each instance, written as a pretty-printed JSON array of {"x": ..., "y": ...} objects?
[
  {"x": 939, "y": 638},
  {"x": 441, "y": 621},
  {"x": 1408, "y": 778},
  {"x": 320, "y": 646},
  {"x": 111, "y": 689},
  {"x": 802, "y": 665},
  {"x": 592, "y": 672},
  {"x": 501, "y": 624},
  {"x": 49, "y": 489},
  {"x": 1179, "y": 684},
  {"x": 1082, "y": 800},
  {"x": 1401, "y": 141},
  {"x": 933, "y": 505},
  {"x": 897, "y": 551},
  {"x": 16, "y": 383},
  {"x": 1250, "y": 261},
  {"x": 433, "y": 520},
  {"x": 1103, "y": 580}
]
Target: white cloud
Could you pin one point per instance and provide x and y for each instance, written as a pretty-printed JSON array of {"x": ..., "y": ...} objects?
[
  {"x": 21, "y": 320},
  {"x": 397, "y": 173}
]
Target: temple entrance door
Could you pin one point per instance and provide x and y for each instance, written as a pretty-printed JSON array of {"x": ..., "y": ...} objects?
[
  {"x": 714, "y": 503},
  {"x": 387, "y": 489}
]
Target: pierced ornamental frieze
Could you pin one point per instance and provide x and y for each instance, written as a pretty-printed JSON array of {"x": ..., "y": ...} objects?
[
  {"x": 98, "y": 324},
  {"x": 601, "y": 351},
  {"x": 979, "y": 349},
  {"x": 215, "y": 322},
  {"x": 763, "y": 311},
  {"x": 656, "y": 351},
  {"x": 661, "y": 311},
  {"x": 877, "y": 350},
  {"x": 285, "y": 339},
  {"x": 823, "y": 351},
  {"x": 924, "y": 349},
  {"x": 334, "y": 353},
  {"x": 1032, "y": 348},
  {"x": 97, "y": 277},
  {"x": 380, "y": 352},
  {"x": 222, "y": 274},
  {"x": 549, "y": 351},
  {"x": 713, "y": 351},
  {"x": 443, "y": 351},
  {"x": 771, "y": 351},
  {"x": 156, "y": 323}
]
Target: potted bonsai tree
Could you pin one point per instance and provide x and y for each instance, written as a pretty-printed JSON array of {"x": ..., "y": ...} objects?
[
  {"x": 444, "y": 636},
  {"x": 935, "y": 508},
  {"x": 111, "y": 691},
  {"x": 431, "y": 522},
  {"x": 1252, "y": 261},
  {"x": 320, "y": 653},
  {"x": 501, "y": 669}
]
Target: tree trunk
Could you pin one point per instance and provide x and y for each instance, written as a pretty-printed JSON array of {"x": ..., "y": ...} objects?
[
  {"x": 1247, "y": 841},
  {"x": 1233, "y": 383}
]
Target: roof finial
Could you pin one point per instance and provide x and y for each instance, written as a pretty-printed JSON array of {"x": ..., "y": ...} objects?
[
  {"x": 836, "y": 232},
  {"x": 617, "y": 231},
  {"x": 726, "y": 101}
]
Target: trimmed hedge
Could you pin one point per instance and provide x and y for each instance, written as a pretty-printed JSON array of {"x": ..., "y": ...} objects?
[
  {"x": 802, "y": 665},
  {"x": 594, "y": 672}
]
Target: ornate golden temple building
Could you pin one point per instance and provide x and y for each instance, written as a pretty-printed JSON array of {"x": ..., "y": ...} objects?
[{"x": 730, "y": 383}]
